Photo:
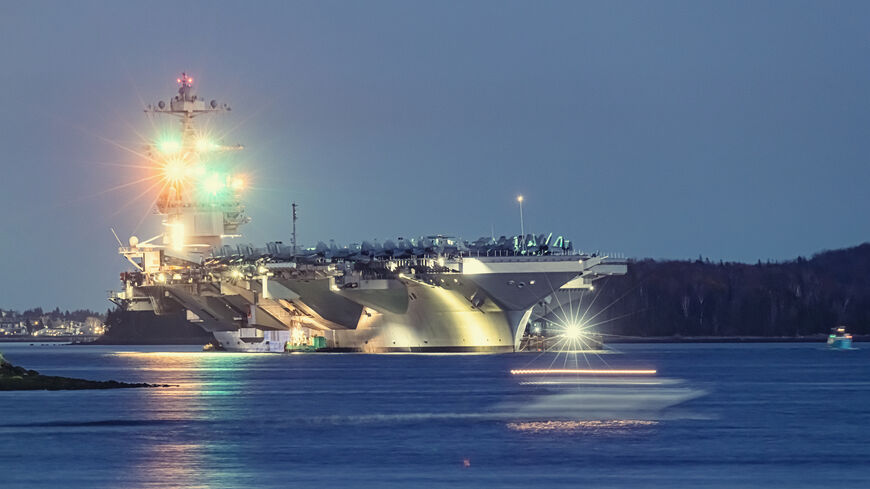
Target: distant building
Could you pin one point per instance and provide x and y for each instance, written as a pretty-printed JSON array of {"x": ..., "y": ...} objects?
[{"x": 13, "y": 328}]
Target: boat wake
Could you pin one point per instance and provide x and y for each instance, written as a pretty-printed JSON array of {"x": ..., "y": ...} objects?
[
  {"x": 615, "y": 403},
  {"x": 607, "y": 402}
]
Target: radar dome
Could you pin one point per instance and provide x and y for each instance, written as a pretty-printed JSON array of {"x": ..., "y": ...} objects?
[{"x": 134, "y": 241}]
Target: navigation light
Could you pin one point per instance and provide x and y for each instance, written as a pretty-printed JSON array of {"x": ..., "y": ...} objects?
[
  {"x": 214, "y": 183},
  {"x": 169, "y": 146},
  {"x": 572, "y": 331},
  {"x": 174, "y": 170},
  {"x": 203, "y": 144}
]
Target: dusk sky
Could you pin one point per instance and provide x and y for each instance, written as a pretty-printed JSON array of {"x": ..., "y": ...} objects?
[{"x": 733, "y": 130}]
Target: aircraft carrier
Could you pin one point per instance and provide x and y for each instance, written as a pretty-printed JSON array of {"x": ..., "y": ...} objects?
[{"x": 432, "y": 293}]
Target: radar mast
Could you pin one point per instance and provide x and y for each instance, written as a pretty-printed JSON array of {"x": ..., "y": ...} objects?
[{"x": 200, "y": 195}]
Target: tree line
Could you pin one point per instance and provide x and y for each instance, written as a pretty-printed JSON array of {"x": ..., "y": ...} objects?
[{"x": 699, "y": 298}]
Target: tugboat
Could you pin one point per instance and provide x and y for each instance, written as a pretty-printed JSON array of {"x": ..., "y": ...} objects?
[
  {"x": 839, "y": 339},
  {"x": 300, "y": 344},
  {"x": 544, "y": 335}
]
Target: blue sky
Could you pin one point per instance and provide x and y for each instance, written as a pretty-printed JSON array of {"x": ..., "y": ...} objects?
[{"x": 734, "y": 130}]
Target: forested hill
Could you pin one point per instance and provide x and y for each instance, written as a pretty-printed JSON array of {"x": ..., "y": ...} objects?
[{"x": 701, "y": 298}]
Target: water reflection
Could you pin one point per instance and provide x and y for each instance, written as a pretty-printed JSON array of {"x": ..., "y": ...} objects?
[
  {"x": 172, "y": 465},
  {"x": 175, "y": 456},
  {"x": 599, "y": 396},
  {"x": 206, "y": 423},
  {"x": 613, "y": 426},
  {"x": 184, "y": 372}
]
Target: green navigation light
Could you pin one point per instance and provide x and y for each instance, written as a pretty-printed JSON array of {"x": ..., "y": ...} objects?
[
  {"x": 204, "y": 144},
  {"x": 168, "y": 146},
  {"x": 214, "y": 184}
]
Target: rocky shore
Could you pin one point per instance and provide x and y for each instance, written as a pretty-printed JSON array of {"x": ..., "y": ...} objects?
[{"x": 14, "y": 378}]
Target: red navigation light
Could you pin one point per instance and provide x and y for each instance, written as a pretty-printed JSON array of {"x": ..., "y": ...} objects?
[{"x": 189, "y": 80}]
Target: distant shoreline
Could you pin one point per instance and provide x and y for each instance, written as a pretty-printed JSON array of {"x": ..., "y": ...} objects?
[
  {"x": 100, "y": 340},
  {"x": 49, "y": 339},
  {"x": 818, "y": 338},
  {"x": 13, "y": 378}
]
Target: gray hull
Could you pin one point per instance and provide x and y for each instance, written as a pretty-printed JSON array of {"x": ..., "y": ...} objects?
[{"x": 482, "y": 306}]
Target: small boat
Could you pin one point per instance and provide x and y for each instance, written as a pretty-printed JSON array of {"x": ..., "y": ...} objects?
[
  {"x": 313, "y": 343},
  {"x": 839, "y": 339},
  {"x": 212, "y": 346}
]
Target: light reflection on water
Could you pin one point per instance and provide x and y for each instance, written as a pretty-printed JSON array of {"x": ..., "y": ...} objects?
[
  {"x": 251, "y": 420},
  {"x": 173, "y": 465},
  {"x": 613, "y": 426},
  {"x": 185, "y": 406}
]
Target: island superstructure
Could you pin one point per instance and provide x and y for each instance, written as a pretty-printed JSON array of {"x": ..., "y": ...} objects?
[
  {"x": 199, "y": 196},
  {"x": 433, "y": 293}
]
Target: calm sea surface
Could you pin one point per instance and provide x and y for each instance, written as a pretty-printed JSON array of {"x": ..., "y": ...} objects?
[{"x": 766, "y": 415}]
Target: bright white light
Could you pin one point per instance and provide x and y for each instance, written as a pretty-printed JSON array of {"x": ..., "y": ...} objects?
[
  {"x": 213, "y": 184},
  {"x": 174, "y": 170},
  {"x": 559, "y": 371},
  {"x": 177, "y": 235},
  {"x": 574, "y": 335},
  {"x": 297, "y": 337},
  {"x": 169, "y": 146},
  {"x": 203, "y": 144},
  {"x": 572, "y": 331}
]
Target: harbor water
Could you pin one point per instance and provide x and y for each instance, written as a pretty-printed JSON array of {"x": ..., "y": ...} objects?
[{"x": 713, "y": 415}]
